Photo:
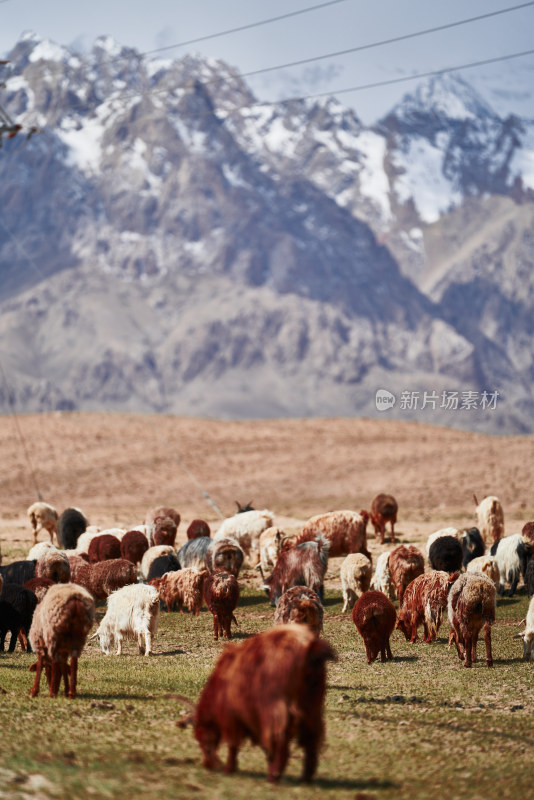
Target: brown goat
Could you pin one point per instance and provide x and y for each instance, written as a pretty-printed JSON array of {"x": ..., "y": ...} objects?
[
  {"x": 374, "y": 616},
  {"x": 103, "y": 577},
  {"x": 134, "y": 545},
  {"x": 197, "y": 529},
  {"x": 345, "y": 532},
  {"x": 301, "y": 606},
  {"x": 39, "y": 586},
  {"x": 384, "y": 509},
  {"x": 59, "y": 629},
  {"x": 471, "y": 606},
  {"x": 300, "y": 565},
  {"x": 104, "y": 548},
  {"x": 405, "y": 563},
  {"x": 224, "y": 555},
  {"x": 424, "y": 602},
  {"x": 269, "y": 689},
  {"x": 54, "y": 565},
  {"x": 183, "y": 587},
  {"x": 160, "y": 512},
  {"x": 221, "y": 593}
]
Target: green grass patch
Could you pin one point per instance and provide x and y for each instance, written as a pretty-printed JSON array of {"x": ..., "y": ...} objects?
[{"x": 407, "y": 729}]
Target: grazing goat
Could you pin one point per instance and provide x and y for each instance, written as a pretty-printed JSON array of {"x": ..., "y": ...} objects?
[
  {"x": 184, "y": 587},
  {"x": 197, "y": 529},
  {"x": 155, "y": 514},
  {"x": 405, "y": 562},
  {"x": 269, "y": 689},
  {"x": 39, "y": 550},
  {"x": 374, "y": 616},
  {"x": 104, "y": 577},
  {"x": 59, "y": 629},
  {"x": 446, "y": 554},
  {"x": 488, "y": 566},
  {"x": 221, "y": 593},
  {"x": 161, "y": 565},
  {"x": 151, "y": 554},
  {"x": 345, "y": 531},
  {"x": 224, "y": 555},
  {"x": 384, "y": 509},
  {"x": 193, "y": 552},
  {"x": 382, "y": 581},
  {"x": 133, "y": 545},
  {"x": 511, "y": 554},
  {"x": 356, "y": 572},
  {"x": 300, "y": 606},
  {"x": 17, "y": 606},
  {"x": 42, "y": 515},
  {"x": 301, "y": 565},
  {"x": 528, "y": 634},
  {"x": 490, "y": 519},
  {"x": 246, "y": 528},
  {"x": 70, "y": 525},
  {"x": 424, "y": 602},
  {"x": 132, "y": 613},
  {"x": 270, "y": 545},
  {"x": 18, "y": 572},
  {"x": 472, "y": 545},
  {"x": 53, "y": 564},
  {"x": 163, "y": 532},
  {"x": 471, "y": 606},
  {"x": 104, "y": 547}
]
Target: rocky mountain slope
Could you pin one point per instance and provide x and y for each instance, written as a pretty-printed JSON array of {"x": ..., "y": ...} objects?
[{"x": 168, "y": 243}]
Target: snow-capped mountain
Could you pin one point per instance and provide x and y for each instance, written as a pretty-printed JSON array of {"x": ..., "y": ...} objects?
[{"x": 170, "y": 243}]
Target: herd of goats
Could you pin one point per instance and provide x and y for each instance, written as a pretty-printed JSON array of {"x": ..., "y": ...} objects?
[{"x": 270, "y": 688}]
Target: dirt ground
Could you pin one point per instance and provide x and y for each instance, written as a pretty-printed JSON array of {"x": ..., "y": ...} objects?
[{"x": 116, "y": 466}]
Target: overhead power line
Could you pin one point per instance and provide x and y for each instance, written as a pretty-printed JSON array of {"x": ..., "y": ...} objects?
[
  {"x": 237, "y": 29},
  {"x": 382, "y": 42}
]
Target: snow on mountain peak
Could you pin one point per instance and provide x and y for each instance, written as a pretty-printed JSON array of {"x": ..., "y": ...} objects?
[{"x": 446, "y": 96}]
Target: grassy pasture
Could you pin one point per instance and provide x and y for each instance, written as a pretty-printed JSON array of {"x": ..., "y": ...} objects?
[{"x": 407, "y": 729}]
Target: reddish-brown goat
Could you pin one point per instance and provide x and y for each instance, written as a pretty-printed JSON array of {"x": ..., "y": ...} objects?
[
  {"x": 301, "y": 606},
  {"x": 221, "y": 593},
  {"x": 197, "y": 529},
  {"x": 269, "y": 689},
  {"x": 103, "y": 577},
  {"x": 405, "y": 562},
  {"x": 345, "y": 532},
  {"x": 384, "y": 509},
  {"x": 134, "y": 545},
  {"x": 104, "y": 548},
  {"x": 471, "y": 606},
  {"x": 423, "y": 603},
  {"x": 301, "y": 565},
  {"x": 374, "y": 616}
]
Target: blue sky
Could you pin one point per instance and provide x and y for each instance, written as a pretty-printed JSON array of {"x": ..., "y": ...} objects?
[{"x": 148, "y": 25}]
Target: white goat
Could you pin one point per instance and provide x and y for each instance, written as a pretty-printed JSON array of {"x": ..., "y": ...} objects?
[
  {"x": 382, "y": 581},
  {"x": 488, "y": 566},
  {"x": 132, "y": 612},
  {"x": 490, "y": 519},
  {"x": 356, "y": 572},
  {"x": 246, "y": 528},
  {"x": 528, "y": 634}
]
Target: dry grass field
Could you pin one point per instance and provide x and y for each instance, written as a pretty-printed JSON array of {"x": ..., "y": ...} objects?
[{"x": 407, "y": 729}]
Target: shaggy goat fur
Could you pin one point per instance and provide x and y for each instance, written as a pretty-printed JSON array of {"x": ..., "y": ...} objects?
[
  {"x": 299, "y": 565},
  {"x": 43, "y": 516},
  {"x": 70, "y": 525},
  {"x": 151, "y": 554},
  {"x": 301, "y": 606},
  {"x": 270, "y": 545},
  {"x": 384, "y": 509},
  {"x": 488, "y": 566},
  {"x": 221, "y": 592},
  {"x": 133, "y": 546},
  {"x": 528, "y": 634},
  {"x": 424, "y": 602},
  {"x": 54, "y": 565},
  {"x": 224, "y": 555},
  {"x": 269, "y": 689},
  {"x": 197, "y": 529},
  {"x": 184, "y": 588},
  {"x": 471, "y": 606},
  {"x": 246, "y": 528},
  {"x": 406, "y": 562},
  {"x": 59, "y": 629},
  {"x": 490, "y": 519},
  {"x": 375, "y": 616},
  {"x": 104, "y": 547},
  {"x": 132, "y": 613},
  {"x": 382, "y": 581},
  {"x": 446, "y": 554},
  {"x": 193, "y": 553},
  {"x": 345, "y": 532}
]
